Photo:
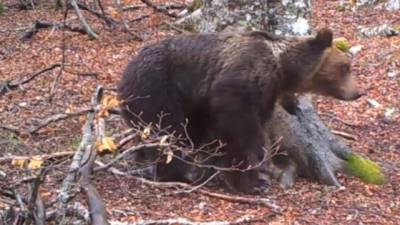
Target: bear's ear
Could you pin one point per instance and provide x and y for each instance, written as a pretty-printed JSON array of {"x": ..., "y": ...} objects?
[{"x": 323, "y": 39}]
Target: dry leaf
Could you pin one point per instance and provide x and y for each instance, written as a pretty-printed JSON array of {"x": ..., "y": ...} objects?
[
  {"x": 107, "y": 144},
  {"x": 146, "y": 133},
  {"x": 18, "y": 162},
  {"x": 110, "y": 102},
  {"x": 163, "y": 141},
  {"x": 170, "y": 155},
  {"x": 70, "y": 109},
  {"x": 35, "y": 163}
]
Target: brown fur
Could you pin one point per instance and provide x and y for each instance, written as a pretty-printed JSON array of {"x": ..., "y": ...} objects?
[{"x": 227, "y": 86}]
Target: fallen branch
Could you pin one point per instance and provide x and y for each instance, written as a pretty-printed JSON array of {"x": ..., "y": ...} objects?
[
  {"x": 97, "y": 209},
  {"x": 126, "y": 27},
  {"x": 344, "y": 134},
  {"x": 9, "y": 85},
  {"x": 63, "y": 57},
  {"x": 123, "y": 154},
  {"x": 109, "y": 21},
  {"x": 43, "y": 157},
  {"x": 10, "y": 128},
  {"x": 65, "y": 193},
  {"x": 262, "y": 201},
  {"x": 56, "y": 118},
  {"x": 44, "y": 25},
  {"x": 163, "y": 10},
  {"x": 184, "y": 221},
  {"x": 82, "y": 19},
  {"x": 63, "y": 116},
  {"x": 338, "y": 119}
]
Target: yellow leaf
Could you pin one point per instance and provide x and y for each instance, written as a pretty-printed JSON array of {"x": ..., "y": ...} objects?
[
  {"x": 170, "y": 155},
  {"x": 163, "y": 141},
  {"x": 103, "y": 113},
  {"x": 70, "y": 109},
  {"x": 107, "y": 144},
  {"x": 113, "y": 12},
  {"x": 35, "y": 163},
  {"x": 146, "y": 133},
  {"x": 18, "y": 162},
  {"x": 110, "y": 102},
  {"x": 342, "y": 44}
]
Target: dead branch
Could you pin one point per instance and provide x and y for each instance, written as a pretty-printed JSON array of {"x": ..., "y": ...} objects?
[
  {"x": 82, "y": 19},
  {"x": 63, "y": 59},
  {"x": 126, "y": 27},
  {"x": 184, "y": 221},
  {"x": 65, "y": 193},
  {"x": 344, "y": 134},
  {"x": 10, "y": 128},
  {"x": 75, "y": 209},
  {"x": 262, "y": 201},
  {"x": 160, "y": 9},
  {"x": 62, "y": 116},
  {"x": 124, "y": 153},
  {"x": 338, "y": 119},
  {"x": 35, "y": 203},
  {"x": 9, "y": 85},
  {"x": 98, "y": 212},
  {"x": 101, "y": 15},
  {"x": 133, "y": 7},
  {"x": 56, "y": 118},
  {"x": 38, "y": 25},
  {"x": 43, "y": 157}
]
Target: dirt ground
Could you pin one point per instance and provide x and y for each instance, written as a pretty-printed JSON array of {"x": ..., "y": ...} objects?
[{"x": 93, "y": 62}]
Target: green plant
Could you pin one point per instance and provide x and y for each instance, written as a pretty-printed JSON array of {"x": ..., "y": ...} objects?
[
  {"x": 196, "y": 4},
  {"x": 367, "y": 170}
]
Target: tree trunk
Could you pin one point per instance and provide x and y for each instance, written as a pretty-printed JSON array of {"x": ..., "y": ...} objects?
[{"x": 312, "y": 150}]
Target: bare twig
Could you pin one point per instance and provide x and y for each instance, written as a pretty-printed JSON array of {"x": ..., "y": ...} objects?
[
  {"x": 123, "y": 154},
  {"x": 56, "y": 118},
  {"x": 43, "y": 157},
  {"x": 261, "y": 201},
  {"x": 159, "y": 9},
  {"x": 184, "y": 221},
  {"x": 109, "y": 21},
  {"x": 344, "y": 134},
  {"x": 126, "y": 27},
  {"x": 63, "y": 59},
  {"x": 9, "y": 85},
  {"x": 44, "y": 25},
  {"x": 338, "y": 119},
  {"x": 82, "y": 19},
  {"x": 10, "y": 128},
  {"x": 35, "y": 203}
]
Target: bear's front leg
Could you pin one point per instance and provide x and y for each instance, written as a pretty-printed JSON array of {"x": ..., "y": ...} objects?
[{"x": 241, "y": 131}]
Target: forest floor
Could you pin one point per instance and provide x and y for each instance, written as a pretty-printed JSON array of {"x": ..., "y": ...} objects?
[{"x": 375, "y": 127}]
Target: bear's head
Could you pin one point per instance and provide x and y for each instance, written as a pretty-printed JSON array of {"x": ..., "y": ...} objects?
[{"x": 314, "y": 64}]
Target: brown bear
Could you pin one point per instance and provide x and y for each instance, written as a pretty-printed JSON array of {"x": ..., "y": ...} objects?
[{"x": 226, "y": 86}]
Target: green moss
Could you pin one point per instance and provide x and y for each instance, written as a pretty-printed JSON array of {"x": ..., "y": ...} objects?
[
  {"x": 2, "y": 7},
  {"x": 367, "y": 170},
  {"x": 342, "y": 44},
  {"x": 195, "y": 5}
]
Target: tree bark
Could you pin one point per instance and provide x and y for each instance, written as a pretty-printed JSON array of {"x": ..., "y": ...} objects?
[{"x": 313, "y": 151}]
